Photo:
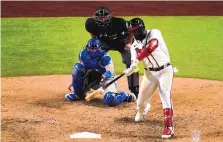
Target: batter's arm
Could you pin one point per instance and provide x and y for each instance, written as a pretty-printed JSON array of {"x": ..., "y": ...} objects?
[
  {"x": 152, "y": 43},
  {"x": 148, "y": 49},
  {"x": 135, "y": 47}
]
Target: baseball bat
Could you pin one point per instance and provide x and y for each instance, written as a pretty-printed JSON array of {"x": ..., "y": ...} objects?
[{"x": 91, "y": 96}]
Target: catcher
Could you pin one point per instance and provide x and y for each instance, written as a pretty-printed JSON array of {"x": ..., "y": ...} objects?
[
  {"x": 150, "y": 48},
  {"x": 95, "y": 68}
]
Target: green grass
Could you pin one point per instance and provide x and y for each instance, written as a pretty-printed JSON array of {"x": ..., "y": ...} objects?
[{"x": 42, "y": 46}]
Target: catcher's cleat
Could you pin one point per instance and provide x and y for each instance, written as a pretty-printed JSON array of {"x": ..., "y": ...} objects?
[
  {"x": 130, "y": 97},
  {"x": 168, "y": 132},
  {"x": 71, "y": 97},
  {"x": 140, "y": 116}
]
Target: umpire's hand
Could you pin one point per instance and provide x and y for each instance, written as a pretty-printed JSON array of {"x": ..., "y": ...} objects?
[{"x": 128, "y": 46}]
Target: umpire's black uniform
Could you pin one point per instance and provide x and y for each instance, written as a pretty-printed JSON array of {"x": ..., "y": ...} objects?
[{"x": 114, "y": 36}]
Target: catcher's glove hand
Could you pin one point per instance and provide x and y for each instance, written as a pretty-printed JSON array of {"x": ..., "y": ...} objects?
[{"x": 92, "y": 78}]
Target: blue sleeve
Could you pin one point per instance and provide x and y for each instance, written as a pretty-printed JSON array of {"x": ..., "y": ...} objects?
[
  {"x": 80, "y": 56},
  {"x": 105, "y": 60},
  {"x": 107, "y": 74}
]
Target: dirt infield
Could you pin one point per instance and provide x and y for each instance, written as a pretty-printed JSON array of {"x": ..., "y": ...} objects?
[
  {"x": 34, "y": 109},
  {"x": 72, "y": 8}
]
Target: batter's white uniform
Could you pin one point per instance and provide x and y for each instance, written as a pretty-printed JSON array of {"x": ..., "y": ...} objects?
[{"x": 158, "y": 71}]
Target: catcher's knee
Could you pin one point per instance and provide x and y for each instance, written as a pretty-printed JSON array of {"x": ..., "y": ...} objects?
[
  {"x": 109, "y": 98},
  {"x": 78, "y": 71}
]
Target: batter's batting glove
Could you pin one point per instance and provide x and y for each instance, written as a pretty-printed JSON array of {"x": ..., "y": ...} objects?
[{"x": 132, "y": 67}]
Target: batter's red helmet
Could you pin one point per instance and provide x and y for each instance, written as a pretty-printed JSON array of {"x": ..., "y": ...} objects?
[{"x": 136, "y": 24}]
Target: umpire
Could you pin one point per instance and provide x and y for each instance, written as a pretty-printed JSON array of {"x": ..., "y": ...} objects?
[{"x": 113, "y": 32}]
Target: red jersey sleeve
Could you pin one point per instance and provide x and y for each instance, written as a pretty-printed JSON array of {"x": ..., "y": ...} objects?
[{"x": 148, "y": 49}]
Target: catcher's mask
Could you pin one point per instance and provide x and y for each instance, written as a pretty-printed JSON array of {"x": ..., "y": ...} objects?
[
  {"x": 138, "y": 28},
  {"x": 102, "y": 17},
  {"x": 93, "y": 46}
]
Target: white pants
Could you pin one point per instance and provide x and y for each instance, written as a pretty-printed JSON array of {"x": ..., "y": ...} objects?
[{"x": 152, "y": 80}]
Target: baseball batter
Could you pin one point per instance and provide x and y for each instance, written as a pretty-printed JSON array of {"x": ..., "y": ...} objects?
[
  {"x": 150, "y": 48},
  {"x": 113, "y": 32},
  {"x": 94, "y": 69}
]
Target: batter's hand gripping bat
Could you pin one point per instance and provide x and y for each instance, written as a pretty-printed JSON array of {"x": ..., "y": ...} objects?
[{"x": 91, "y": 96}]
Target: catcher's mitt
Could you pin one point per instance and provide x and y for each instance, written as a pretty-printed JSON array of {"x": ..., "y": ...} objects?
[{"x": 92, "y": 78}]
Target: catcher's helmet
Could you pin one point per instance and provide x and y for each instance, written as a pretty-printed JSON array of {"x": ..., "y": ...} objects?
[
  {"x": 93, "y": 45},
  {"x": 136, "y": 24},
  {"x": 102, "y": 16},
  {"x": 93, "y": 48}
]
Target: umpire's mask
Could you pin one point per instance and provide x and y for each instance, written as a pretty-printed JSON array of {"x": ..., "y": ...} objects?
[{"x": 102, "y": 17}]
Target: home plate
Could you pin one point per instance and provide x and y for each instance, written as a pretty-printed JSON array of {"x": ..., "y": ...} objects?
[{"x": 85, "y": 135}]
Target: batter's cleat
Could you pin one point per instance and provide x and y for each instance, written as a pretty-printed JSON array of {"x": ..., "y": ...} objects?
[
  {"x": 140, "y": 116},
  {"x": 71, "y": 97},
  {"x": 168, "y": 132},
  {"x": 130, "y": 97}
]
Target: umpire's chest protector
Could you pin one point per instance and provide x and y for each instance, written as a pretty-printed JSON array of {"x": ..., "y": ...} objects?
[{"x": 115, "y": 33}]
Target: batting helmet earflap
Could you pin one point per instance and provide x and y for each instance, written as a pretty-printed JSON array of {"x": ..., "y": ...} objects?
[
  {"x": 136, "y": 24},
  {"x": 102, "y": 16}
]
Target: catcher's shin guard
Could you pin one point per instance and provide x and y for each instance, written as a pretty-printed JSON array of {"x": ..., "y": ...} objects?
[
  {"x": 115, "y": 99},
  {"x": 168, "y": 123},
  {"x": 78, "y": 77}
]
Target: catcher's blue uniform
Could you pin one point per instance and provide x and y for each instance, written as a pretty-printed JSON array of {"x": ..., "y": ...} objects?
[{"x": 94, "y": 61}]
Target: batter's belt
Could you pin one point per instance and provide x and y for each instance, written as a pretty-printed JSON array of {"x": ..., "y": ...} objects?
[{"x": 159, "y": 68}]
